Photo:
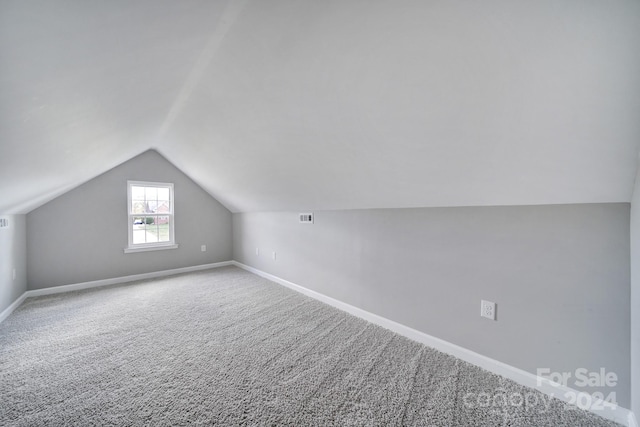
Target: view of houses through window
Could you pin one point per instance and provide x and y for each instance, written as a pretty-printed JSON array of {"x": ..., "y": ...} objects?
[{"x": 150, "y": 214}]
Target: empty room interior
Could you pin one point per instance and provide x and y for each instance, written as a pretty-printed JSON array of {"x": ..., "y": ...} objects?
[{"x": 297, "y": 212}]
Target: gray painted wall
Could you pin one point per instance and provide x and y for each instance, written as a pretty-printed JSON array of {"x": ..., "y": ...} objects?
[
  {"x": 559, "y": 274},
  {"x": 635, "y": 298},
  {"x": 13, "y": 247},
  {"x": 80, "y": 236}
]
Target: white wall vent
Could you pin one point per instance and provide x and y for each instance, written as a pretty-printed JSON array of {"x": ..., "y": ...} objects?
[
  {"x": 305, "y": 218},
  {"x": 4, "y": 222}
]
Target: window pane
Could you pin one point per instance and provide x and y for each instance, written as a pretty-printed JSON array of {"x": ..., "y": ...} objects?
[
  {"x": 163, "y": 193},
  {"x": 163, "y": 229},
  {"x": 139, "y": 207},
  {"x": 152, "y": 234},
  {"x": 151, "y": 193},
  {"x": 164, "y": 206},
  {"x": 137, "y": 193},
  {"x": 138, "y": 236}
]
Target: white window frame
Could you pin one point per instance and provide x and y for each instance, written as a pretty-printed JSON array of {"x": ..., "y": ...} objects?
[{"x": 156, "y": 246}]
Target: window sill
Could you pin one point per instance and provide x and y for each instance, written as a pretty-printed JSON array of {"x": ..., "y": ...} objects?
[{"x": 149, "y": 248}]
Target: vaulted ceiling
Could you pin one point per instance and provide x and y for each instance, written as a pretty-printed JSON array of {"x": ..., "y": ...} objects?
[{"x": 306, "y": 104}]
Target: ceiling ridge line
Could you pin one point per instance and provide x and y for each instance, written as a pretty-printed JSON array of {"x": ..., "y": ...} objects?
[{"x": 227, "y": 19}]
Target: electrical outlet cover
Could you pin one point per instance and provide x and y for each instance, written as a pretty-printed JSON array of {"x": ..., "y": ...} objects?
[{"x": 488, "y": 309}]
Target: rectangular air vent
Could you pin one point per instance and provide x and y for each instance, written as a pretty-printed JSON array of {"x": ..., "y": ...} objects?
[
  {"x": 306, "y": 218},
  {"x": 4, "y": 222}
]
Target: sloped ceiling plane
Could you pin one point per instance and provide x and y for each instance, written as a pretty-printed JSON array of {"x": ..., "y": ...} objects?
[{"x": 302, "y": 104}]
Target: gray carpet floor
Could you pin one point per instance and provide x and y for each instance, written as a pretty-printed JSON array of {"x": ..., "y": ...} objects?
[{"x": 226, "y": 347}]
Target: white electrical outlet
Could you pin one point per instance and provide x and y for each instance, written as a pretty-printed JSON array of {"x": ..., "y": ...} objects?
[
  {"x": 488, "y": 309},
  {"x": 203, "y": 248},
  {"x": 274, "y": 255},
  {"x": 257, "y": 251}
]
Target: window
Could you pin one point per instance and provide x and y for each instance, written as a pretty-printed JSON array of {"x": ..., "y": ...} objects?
[{"x": 150, "y": 206}]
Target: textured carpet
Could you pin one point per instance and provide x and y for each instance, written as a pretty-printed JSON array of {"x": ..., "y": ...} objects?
[{"x": 227, "y": 347}]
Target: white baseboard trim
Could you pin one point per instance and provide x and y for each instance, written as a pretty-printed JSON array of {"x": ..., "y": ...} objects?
[
  {"x": 7, "y": 311},
  {"x": 123, "y": 279},
  {"x": 107, "y": 282},
  {"x": 544, "y": 385}
]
